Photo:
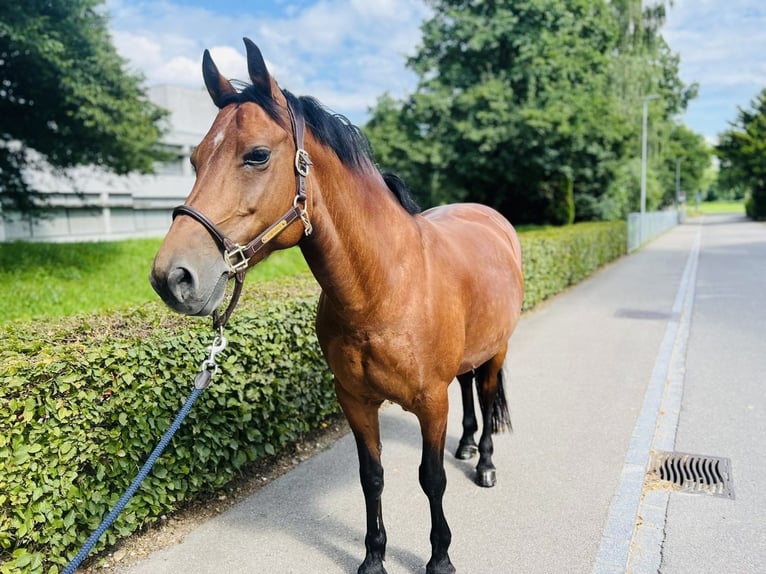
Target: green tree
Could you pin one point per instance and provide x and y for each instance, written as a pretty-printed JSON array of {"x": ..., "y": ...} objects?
[
  {"x": 642, "y": 65},
  {"x": 510, "y": 100},
  {"x": 742, "y": 151},
  {"x": 531, "y": 106},
  {"x": 688, "y": 153},
  {"x": 66, "y": 97},
  {"x": 400, "y": 146}
]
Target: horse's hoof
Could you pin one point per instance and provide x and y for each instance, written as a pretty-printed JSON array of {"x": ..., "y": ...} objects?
[
  {"x": 466, "y": 451},
  {"x": 486, "y": 478},
  {"x": 371, "y": 566},
  {"x": 443, "y": 566}
]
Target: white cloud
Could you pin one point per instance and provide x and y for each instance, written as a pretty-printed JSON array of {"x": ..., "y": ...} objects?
[
  {"x": 344, "y": 52},
  {"x": 229, "y": 61},
  {"x": 179, "y": 71},
  {"x": 721, "y": 44},
  {"x": 348, "y": 52},
  {"x": 141, "y": 51}
]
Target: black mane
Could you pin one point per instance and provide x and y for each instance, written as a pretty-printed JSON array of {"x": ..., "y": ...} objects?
[
  {"x": 402, "y": 192},
  {"x": 332, "y": 130}
]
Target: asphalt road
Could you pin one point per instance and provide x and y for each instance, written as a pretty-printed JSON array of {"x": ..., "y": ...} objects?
[{"x": 664, "y": 349}]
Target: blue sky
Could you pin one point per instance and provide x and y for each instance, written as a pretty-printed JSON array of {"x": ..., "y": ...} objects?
[{"x": 348, "y": 52}]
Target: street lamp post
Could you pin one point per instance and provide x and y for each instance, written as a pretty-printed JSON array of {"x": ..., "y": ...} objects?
[
  {"x": 679, "y": 203},
  {"x": 678, "y": 180},
  {"x": 647, "y": 99}
]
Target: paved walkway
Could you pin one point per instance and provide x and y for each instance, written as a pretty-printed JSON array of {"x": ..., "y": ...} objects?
[{"x": 666, "y": 346}]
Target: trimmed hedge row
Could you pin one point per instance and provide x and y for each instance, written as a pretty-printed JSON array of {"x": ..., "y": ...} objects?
[
  {"x": 83, "y": 402},
  {"x": 557, "y": 258}
]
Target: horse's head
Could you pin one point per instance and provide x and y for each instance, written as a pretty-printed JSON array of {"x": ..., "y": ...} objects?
[{"x": 245, "y": 181}]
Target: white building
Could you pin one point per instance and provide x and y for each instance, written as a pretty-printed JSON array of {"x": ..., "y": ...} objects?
[{"x": 91, "y": 204}]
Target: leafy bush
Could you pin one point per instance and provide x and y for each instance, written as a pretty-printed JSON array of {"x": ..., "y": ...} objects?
[
  {"x": 561, "y": 207},
  {"x": 755, "y": 204},
  {"x": 556, "y": 258},
  {"x": 84, "y": 403}
]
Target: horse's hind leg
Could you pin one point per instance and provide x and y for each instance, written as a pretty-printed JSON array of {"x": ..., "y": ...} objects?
[
  {"x": 363, "y": 419},
  {"x": 495, "y": 417},
  {"x": 467, "y": 446}
]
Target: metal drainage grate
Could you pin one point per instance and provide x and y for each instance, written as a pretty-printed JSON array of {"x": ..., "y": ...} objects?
[{"x": 694, "y": 473}]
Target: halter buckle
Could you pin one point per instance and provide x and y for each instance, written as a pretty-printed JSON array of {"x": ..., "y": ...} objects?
[
  {"x": 236, "y": 259},
  {"x": 302, "y": 162}
]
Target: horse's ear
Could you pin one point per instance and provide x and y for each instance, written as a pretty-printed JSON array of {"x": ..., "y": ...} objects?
[
  {"x": 256, "y": 67},
  {"x": 217, "y": 86}
]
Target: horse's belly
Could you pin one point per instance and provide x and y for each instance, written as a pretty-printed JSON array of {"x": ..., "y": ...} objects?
[
  {"x": 389, "y": 365},
  {"x": 482, "y": 344},
  {"x": 490, "y": 319}
]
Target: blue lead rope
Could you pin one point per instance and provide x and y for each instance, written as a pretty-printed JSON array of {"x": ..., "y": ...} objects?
[{"x": 209, "y": 368}]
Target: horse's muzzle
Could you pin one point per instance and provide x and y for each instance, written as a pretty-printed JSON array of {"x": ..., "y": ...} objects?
[{"x": 187, "y": 291}]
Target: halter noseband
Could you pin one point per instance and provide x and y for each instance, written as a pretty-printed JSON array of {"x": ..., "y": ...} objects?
[{"x": 238, "y": 256}]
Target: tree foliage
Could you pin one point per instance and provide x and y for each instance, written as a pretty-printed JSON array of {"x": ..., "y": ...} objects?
[
  {"x": 66, "y": 94},
  {"x": 742, "y": 151},
  {"x": 688, "y": 153},
  {"x": 533, "y": 107}
]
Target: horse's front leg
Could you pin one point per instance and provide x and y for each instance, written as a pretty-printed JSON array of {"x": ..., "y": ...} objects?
[
  {"x": 433, "y": 480},
  {"x": 362, "y": 417}
]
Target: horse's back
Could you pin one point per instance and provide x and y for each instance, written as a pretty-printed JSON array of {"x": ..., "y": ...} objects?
[
  {"x": 475, "y": 256},
  {"x": 475, "y": 229}
]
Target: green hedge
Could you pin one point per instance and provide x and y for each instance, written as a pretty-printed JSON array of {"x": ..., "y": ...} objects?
[
  {"x": 84, "y": 401},
  {"x": 558, "y": 257},
  {"x": 755, "y": 204}
]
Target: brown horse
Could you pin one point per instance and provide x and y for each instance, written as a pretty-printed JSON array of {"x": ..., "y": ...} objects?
[{"x": 409, "y": 300}]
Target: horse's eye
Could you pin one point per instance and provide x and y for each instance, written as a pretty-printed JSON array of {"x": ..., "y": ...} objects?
[{"x": 258, "y": 156}]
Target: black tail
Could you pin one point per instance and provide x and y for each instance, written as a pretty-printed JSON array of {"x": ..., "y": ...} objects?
[{"x": 501, "y": 416}]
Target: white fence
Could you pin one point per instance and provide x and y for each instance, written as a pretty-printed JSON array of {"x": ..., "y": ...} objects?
[
  {"x": 138, "y": 206},
  {"x": 141, "y": 206},
  {"x": 91, "y": 204},
  {"x": 644, "y": 229}
]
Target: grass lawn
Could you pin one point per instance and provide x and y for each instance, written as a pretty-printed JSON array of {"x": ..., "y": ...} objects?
[
  {"x": 45, "y": 280},
  {"x": 712, "y": 207}
]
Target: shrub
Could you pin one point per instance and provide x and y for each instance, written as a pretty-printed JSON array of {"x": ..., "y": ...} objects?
[
  {"x": 561, "y": 208},
  {"x": 556, "y": 258},
  {"x": 85, "y": 402},
  {"x": 755, "y": 204}
]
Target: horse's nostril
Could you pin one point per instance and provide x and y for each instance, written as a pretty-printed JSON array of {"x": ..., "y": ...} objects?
[{"x": 182, "y": 283}]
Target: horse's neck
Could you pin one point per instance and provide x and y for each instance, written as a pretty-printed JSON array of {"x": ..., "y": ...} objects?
[{"x": 361, "y": 233}]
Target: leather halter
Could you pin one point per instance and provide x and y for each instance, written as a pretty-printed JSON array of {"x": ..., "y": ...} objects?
[{"x": 238, "y": 256}]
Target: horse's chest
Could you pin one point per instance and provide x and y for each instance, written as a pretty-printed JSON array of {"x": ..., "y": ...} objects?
[{"x": 379, "y": 365}]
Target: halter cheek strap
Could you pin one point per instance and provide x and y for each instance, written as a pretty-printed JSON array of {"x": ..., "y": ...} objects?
[{"x": 238, "y": 256}]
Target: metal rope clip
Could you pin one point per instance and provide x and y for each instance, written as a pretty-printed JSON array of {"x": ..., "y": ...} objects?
[
  {"x": 304, "y": 214},
  {"x": 209, "y": 367}
]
